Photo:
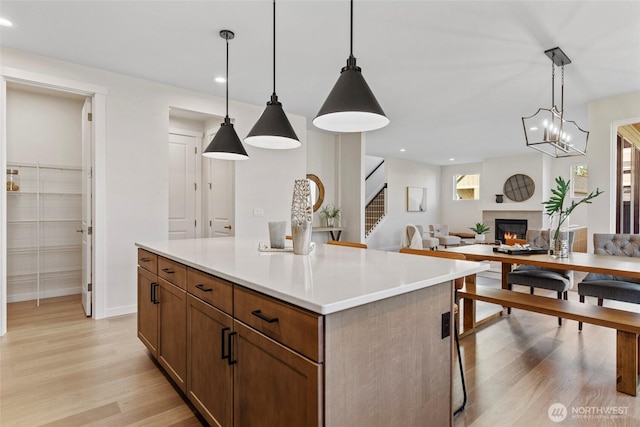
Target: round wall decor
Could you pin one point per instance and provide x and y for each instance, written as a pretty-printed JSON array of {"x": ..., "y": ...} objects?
[{"x": 519, "y": 187}]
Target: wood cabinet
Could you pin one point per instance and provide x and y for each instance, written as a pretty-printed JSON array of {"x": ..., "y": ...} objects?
[
  {"x": 172, "y": 332},
  {"x": 273, "y": 385},
  {"x": 245, "y": 359},
  {"x": 148, "y": 310},
  {"x": 209, "y": 373}
]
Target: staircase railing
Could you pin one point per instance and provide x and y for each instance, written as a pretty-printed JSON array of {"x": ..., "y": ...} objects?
[{"x": 375, "y": 211}]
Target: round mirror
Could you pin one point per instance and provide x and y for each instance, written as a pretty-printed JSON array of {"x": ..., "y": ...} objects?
[
  {"x": 519, "y": 187},
  {"x": 317, "y": 191}
]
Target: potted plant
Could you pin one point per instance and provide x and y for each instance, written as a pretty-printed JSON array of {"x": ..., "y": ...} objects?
[
  {"x": 558, "y": 215},
  {"x": 331, "y": 213},
  {"x": 480, "y": 229}
]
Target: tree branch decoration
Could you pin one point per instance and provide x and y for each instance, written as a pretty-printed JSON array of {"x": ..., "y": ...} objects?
[
  {"x": 555, "y": 205},
  {"x": 301, "y": 210}
]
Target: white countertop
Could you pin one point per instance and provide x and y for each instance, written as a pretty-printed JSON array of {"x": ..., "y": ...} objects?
[{"x": 330, "y": 279}]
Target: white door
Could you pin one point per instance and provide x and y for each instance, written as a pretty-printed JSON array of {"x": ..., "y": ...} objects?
[
  {"x": 220, "y": 195},
  {"x": 183, "y": 184},
  {"x": 87, "y": 224}
]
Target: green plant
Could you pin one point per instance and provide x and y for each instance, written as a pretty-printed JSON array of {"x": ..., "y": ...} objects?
[
  {"x": 330, "y": 211},
  {"x": 555, "y": 204},
  {"x": 480, "y": 228}
]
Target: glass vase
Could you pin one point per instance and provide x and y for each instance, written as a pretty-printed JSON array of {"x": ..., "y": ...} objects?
[{"x": 558, "y": 236}]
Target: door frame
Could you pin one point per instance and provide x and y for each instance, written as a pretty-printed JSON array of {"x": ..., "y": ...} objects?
[
  {"x": 99, "y": 101},
  {"x": 612, "y": 163}
]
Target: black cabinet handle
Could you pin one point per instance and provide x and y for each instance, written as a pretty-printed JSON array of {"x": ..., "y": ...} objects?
[
  {"x": 223, "y": 355},
  {"x": 154, "y": 293},
  {"x": 201, "y": 287},
  {"x": 145, "y": 259},
  {"x": 230, "y": 342},
  {"x": 151, "y": 292},
  {"x": 258, "y": 313},
  {"x": 166, "y": 270}
]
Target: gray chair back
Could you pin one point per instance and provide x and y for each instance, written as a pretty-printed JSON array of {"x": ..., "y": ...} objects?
[
  {"x": 616, "y": 244},
  {"x": 540, "y": 239}
]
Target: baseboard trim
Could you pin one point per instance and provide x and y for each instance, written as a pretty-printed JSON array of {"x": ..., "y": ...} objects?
[
  {"x": 119, "y": 311},
  {"x": 32, "y": 296}
]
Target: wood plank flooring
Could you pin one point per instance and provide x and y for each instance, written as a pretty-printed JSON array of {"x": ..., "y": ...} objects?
[
  {"x": 58, "y": 368},
  {"x": 517, "y": 366}
]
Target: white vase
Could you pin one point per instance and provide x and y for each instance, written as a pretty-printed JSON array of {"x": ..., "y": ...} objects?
[
  {"x": 331, "y": 222},
  {"x": 480, "y": 238},
  {"x": 301, "y": 217}
]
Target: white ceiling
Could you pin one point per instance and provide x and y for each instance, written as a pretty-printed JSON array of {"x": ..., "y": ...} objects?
[{"x": 454, "y": 77}]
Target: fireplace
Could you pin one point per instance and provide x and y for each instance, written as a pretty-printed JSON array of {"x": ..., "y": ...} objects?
[{"x": 510, "y": 228}]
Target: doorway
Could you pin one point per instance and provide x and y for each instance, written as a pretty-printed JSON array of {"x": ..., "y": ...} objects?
[
  {"x": 48, "y": 131},
  {"x": 628, "y": 179},
  {"x": 201, "y": 189},
  {"x": 98, "y": 95}
]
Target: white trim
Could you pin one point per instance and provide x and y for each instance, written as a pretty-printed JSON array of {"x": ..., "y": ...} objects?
[
  {"x": 3, "y": 208},
  {"x": 119, "y": 311},
  {"x": 186, "y": 132},
  {"x": 44, "y": 80},
  {"x": 612, "y": 161},
  {"x": 28, "y": 296},
  {"x": 99, "y": 94}
]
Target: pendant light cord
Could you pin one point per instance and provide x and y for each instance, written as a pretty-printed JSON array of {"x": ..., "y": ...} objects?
[
  {"x": 351, "y": 35},
  {"x": 274, "y": 47},
  {"x": 227, "y": 76}
]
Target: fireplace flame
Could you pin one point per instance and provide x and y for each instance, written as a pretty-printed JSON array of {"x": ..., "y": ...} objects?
[{"x": 509, "y": 235}]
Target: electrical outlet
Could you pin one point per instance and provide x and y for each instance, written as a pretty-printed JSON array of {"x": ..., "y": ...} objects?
[
  {"x": 446, "y": 324},
  {"x": 258, "y": 212}
]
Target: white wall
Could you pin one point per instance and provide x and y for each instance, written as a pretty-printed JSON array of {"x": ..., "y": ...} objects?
[
  {"x": 136, "y": 177},
  {"x": 351, "y": 149},
  {"x": 400, "y": 175},
  {"x": 321, "y": 161},
  {"x": 604, "y": 117},
  {"x": 43, "y": 127}
]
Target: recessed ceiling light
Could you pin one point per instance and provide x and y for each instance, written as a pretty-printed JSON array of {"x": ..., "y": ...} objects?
[
  {"x": 5, "y": 23},
  {"x": 403, "y": 150},
  {"x": 220, "y": 79},
  {"x": 533, "y": 128},
  {"x": 451, "y": 159}
]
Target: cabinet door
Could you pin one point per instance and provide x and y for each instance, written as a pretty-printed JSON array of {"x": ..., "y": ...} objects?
[
  {"x": 172, "y": 327},
  {"x": 148, "y": 310},
  {"x": 273, "y": 386},
  {"x": 209, "y": 376}
]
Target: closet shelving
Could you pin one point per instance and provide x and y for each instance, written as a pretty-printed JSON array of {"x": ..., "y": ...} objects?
[{"x": 44, "y": 247}]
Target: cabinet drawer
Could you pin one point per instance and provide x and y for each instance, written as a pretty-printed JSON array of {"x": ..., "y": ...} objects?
[
  {"x": 211, "y": 289},
  {"x": 172, "y": 272},
  {"x": 298, "y": 329},
  {"x": 148, "y": 261}
]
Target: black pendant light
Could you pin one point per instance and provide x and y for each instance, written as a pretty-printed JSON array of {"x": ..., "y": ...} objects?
[
  {"x": 273, "y": 130},
  {"x": 225, "y": 144},
  {"x": 351, "y": 106}
]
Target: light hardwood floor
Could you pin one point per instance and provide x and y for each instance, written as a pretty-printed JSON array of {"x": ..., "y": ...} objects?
[
  {"x": 58, "y": 368},
  {"x": 517, "y": 366}
]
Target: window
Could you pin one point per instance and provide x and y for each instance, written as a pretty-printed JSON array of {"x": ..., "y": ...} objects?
[{"x": 467, "y": 187}]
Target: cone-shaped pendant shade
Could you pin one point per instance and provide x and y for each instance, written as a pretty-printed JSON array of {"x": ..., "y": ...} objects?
[
  {"x": 226, "y": 145},
  {"x": 273, "y": 130},
  {"x": 351, "y": 105}
]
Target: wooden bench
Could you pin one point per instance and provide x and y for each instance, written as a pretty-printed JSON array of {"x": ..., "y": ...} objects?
[{"x": 626, "y": 323}]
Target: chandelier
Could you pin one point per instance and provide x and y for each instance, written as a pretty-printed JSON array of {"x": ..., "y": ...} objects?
[{"x": 547, "y": 130}]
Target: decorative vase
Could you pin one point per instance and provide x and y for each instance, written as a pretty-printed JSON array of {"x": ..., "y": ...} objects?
[
  {"x": 499, "y": 198},
  {"x": 480, "y": 238},
  {"x": 301, "y": 217},
  {"x": 558, "y": 237},
  {"x": 331, "y": 222}
]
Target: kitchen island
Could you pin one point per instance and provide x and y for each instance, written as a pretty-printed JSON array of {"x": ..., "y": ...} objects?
[{"x": 340, "y": 337}]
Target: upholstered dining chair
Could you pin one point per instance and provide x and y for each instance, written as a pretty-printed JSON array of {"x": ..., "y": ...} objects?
[
  {"x": 459, "y": 284},
  {"x": 536, "y": 277},
  {"x": 350, "y": 244},
  {"x": 605, "y": 286},
  {"x": 441, "y": 232}
]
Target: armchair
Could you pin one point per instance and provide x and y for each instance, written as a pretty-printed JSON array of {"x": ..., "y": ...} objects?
[{"x": 441, "y": 232}]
